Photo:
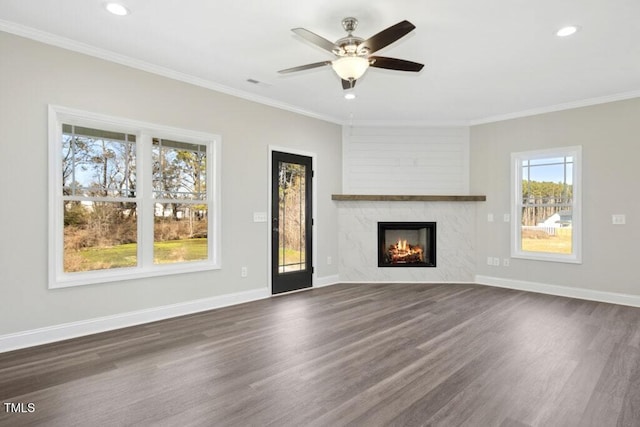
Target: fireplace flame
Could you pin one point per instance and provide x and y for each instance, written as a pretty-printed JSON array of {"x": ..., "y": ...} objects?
[{"x": 402, "y": 252}]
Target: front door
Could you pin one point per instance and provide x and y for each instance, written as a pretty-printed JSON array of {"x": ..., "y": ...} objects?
[{"x": 291, "y": 221}]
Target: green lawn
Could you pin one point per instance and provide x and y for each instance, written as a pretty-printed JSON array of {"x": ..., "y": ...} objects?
[
  {"x": 179, "y": 250},
  {"x": 290, "y": 256},
  {"x": 553, "y": 244},
  {"x": 104, "y": 257},
  {"x": 126, "y": 255}
]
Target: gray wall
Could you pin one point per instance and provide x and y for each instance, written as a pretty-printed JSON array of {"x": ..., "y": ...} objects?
[
  {"x": 610, "y": 138},
  {"x": 33, "y": 75}
]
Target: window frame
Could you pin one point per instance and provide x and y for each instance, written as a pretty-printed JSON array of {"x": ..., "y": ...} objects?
[
  {"x": 144, "y": 132},
  {"x": 516, "y": 204}
]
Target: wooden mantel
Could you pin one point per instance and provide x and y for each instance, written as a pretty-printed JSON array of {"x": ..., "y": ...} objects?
[{"x": 406, "y": 198}]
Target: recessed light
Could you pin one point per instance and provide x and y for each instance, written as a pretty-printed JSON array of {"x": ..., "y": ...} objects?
[
  {"x": 567, "y": 31},
  {"x": 117, "y": 9},
  {"x": 350, "y": 95}
]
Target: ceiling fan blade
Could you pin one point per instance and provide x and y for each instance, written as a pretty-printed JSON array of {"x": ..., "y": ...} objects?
[
  {"x": 394, "y": 64},
  {"x": 305, "y": 67},
  {"x": 348, "y": 84},
  {"x": 388, "y": 36},
  {"x": 315, "y": 39}
]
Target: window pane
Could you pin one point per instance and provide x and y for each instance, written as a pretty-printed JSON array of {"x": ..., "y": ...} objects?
[
  {"x": 547, "y": 206},
  {"x": 179, "y": 170},
  {"x": 180, "y": 233},
  {"x": 99, "y": 235},
  {"x": 292, "y": 208},
  {"x": 98, "y": 167},
  {"x": 547, "y": 173}
]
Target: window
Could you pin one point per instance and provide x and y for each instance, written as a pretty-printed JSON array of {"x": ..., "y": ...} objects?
[
  {"x": 546, "y": 189},
  {"x": 130, "y": 199},
  {"x": 180, "y": 209}
]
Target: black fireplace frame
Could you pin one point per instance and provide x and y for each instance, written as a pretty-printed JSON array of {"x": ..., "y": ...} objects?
[{"x": 403, "y": 225}]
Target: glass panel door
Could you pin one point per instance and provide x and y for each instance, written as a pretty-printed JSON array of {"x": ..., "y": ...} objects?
[{"x": 291, "y": 222}]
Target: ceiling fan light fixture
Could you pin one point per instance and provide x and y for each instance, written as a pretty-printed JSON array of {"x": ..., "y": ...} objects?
[
  {"x": 349, "y": 96},
  {"x": 116, "y": 9},
  {"x": 350, "y": 67},
  {"x": 567, "y": 31}
]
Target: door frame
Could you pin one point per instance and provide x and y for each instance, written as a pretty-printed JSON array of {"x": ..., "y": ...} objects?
[{"x": 314, "y": 210}]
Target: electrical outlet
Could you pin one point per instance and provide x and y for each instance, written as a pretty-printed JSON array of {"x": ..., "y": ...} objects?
[
  {"x": 496, "y": 262},
  {"x": 489, "y": 260},
  {"x": 490, "y": 217},
  {"x": 506, "y": 218},
  {"x": 244, "y": 272},
  {"x": 329, "y": 260},
  {"x": 506, "y": 262}
]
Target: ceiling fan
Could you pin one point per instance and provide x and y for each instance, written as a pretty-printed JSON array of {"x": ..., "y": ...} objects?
[{"x": 353, "y": 54}]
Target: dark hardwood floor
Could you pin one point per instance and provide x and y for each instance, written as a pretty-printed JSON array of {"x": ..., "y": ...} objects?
[{"x": 383, "y": 354}]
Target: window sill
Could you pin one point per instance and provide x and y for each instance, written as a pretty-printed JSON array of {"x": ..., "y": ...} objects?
[
  {"x": 122, "y": 274},
  {"x": 532, "y": 256}
]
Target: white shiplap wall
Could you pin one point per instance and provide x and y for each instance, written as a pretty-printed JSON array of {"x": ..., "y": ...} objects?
[{"x": 405, "y": 160}]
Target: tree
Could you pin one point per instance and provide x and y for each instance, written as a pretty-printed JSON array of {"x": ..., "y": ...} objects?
[
  {"x": 543, "y": 199},
  {"x": 179, "y": 175}
]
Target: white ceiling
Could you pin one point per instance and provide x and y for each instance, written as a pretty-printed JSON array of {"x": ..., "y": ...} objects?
[{"x": 485, "y": 60}]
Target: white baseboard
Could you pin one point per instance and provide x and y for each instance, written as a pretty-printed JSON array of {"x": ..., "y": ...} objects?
[
  {"x": 326, "y": 281},
  {"x": 563, "y": 291},
  {"x": 409, "y": 282},
  {"x": 65, "y": 331}
]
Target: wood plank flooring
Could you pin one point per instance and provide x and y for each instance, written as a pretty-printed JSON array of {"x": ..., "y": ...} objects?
[{"x": 362, "y": 355}]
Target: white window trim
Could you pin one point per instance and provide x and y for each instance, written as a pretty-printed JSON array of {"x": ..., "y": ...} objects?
[
  {"x": 516, "y": 211},
  {"x": 144, "y": 133}
]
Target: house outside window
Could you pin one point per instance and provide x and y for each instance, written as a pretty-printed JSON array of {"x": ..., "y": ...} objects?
[
  {"x": 546, "y": 205},
  {"x": 130, "y": 199}
]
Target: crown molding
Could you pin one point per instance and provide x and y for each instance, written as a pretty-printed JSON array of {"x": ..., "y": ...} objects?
[
  {"x": 558, "y": 107},
  {"x": 86, "y": 49}
]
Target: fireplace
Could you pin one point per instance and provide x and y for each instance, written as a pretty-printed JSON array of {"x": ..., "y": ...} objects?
[{"x": 406, "y": 244}]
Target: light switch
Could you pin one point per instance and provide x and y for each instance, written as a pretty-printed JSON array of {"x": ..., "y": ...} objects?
[
  {"x": 259, "y": 217},
  {"x": 490, "y": 217},
  {"x": 618, "y": 219}
]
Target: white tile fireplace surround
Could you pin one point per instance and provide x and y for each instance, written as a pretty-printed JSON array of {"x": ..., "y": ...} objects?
[{"x": 358, "y": 240}]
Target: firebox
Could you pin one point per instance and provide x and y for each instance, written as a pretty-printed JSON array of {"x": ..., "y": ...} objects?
[{"x": 406, "y": 244}]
